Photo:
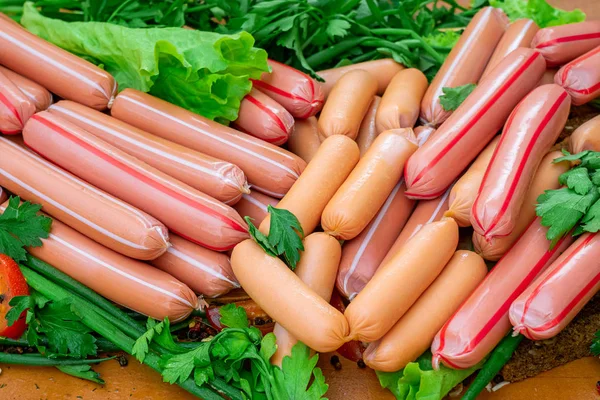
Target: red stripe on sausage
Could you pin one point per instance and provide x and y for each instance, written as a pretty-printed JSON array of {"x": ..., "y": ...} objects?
[
  {"x": 271, "y": 114},
  {"x": 266, "y": 86},
  {"x": 11, "y": 108},
  {"x": 589, "y": 90},
  {"x": 138, "y": 175},
  {"x": 566, "y": 39}
]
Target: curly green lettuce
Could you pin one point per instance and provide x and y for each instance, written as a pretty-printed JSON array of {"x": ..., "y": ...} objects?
[
  {"x": 204, "y": 72},
  {"x": 538, "y": 10}
]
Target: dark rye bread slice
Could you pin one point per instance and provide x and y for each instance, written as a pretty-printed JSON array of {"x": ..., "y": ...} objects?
[{"x": 534, "y": 357}]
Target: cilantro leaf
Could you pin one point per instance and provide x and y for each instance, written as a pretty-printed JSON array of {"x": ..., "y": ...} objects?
[
  {"x": 454, "y": 97},
  {"x": 260, "y": 238},
  {"x": 595, "y": 176},
  {"x": 293, "y": 380},
  {"x": 82, "y": 371},
  {"x": 591, "y": 221},
  {"x": 591, "y": 160},
  {"x": 577, "y": 179},
  {"x": 285, "y": 235},
  {"x": 179, "y": 367},
  {"x": 21, "y": 226},
  {"x": 337, "y": 27},
  {"x": 18, "y": 304},
  {"x": 141, "y": 345},
  {"x": 233, "y": 316}
]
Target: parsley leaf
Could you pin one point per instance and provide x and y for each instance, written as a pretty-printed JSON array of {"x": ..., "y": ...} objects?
[
  {"x": 595, "y": 348},
  {"x": 21, "y": 226},
  {"x": 577, "y": 179},
  {"x": 453, "y": 97},
  {"x": 294, "y": 378},
  {"x": 570, "y": 157},
  {"x": 18, "y": 304},
  {"x": 285, "y": 235},
  {"x": 337, "y": 27},
  {"x": 233, "y": 316},
  {"x": 141, "y": 345},
  {"x": 260, "y": 238},
  {"x": 591, "y": 221},
  {"x": 82, "y": 371}
]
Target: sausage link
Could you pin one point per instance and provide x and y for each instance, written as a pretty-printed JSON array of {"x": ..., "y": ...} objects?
[
  {"x": 547, "y": 306},
  {"x": 96, "y": 214},
  {"x": 362, "y": 255},
  {"x": 562, "y": 44},
  {"x": 254, "y": 205},
  {"x": 219, "y": 179},
  {"x": 293, "y": 89},
  {"x": 401, "y": 101},
  {"x": 461, "y": 138},
  {"x": 347, "y": 105},
  {"x": 57, "y": 70},
  {"x": 546, "y": 178},
  {"x": 413, "y": 333},
  {"x": 368, "y": 130},
  {"x": 531, "y": 130},
  {"x": 38, "y": 95},
  {"x": 205, "y": 271},
  {"x": 465, "y": 189},
  {"x": 269, "y": 169},
  {"x": 264, "y": 118},
  {"x": 398, "y": 283},
  {"x": 586, "y": 137},
  {"x": 317, "y": 268},
  {"x": 423, "y": 133},
  {"x": 184, "y": 210},
  {"x": 519, "y": 34},
  {"x": 581, "y": 77},
  {"x": 368, "y": 186},
  {"x": 15, "y": 107},
  {"x": 319, "y": 182},
  {"x": 466, "y": 61},
  {"x": 482, "y": 320},
  {"x": 3, "y": 195},
  {"x": 288, "y": 300},
  {"x": 304, "y": 139}
]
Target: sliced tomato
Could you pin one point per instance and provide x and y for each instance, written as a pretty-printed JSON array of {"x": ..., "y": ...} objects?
[{"x": 12, "y": 283}]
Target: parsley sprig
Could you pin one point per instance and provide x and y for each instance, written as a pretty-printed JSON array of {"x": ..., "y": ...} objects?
[{"x": 454, "y": 97}]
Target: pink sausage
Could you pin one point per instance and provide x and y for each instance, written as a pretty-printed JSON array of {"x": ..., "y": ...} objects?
[
  {"x": 40, "y": 97},
  {"x": 294, "y": 90},
  {"x": 264, "y": 118},
  {"x": 15, "y": 107},
  {"x": 254, "y": 205},
  {"x": 362, "y": 255},
  {"x": 548, "y": 77},
  {"x": 563, "y": 43},
  {"x": 581, "y": 77},
  {"x": 3, "y": 195},
  {"x": 531, "y": 130},
  {"x": 482, "y": 320},
  {"x": 423, "y": 133},
  {"x": 437, "y": 163}
]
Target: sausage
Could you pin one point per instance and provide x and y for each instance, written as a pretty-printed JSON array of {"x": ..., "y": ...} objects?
[
  {"x": 38, "y": 95},
  {"x": 304, "y": 139},
  {"x": 401, "y": 101},
  {"x": 563, "y": 43},
  {"x": 15, "y": 107},
  {"x": 465, "y": 189},
  {"x": 362, "y": 255},
  {"x": 269, "y": 169},
  {"x": 293, "y": 89},
  {"x": 482, "y": 320},
  {"x": 368, "y": 130},
  {"x": 423, "y": 133},
  {"x": 347, "y": 105},
  {"x": 3, "y": 195},
  {"x": 548, "y": 77},
  {"x": 466, "y": 61},
  {"x": 317, "y": 268},
  {"x": 368, "y": 186},
  {"x": 519, "y": 34},
  {"x": 288, "y": 300},
  {"x": 264, "y": 118},
  {"x": 184, "y": 210},
  {"x": 531, "y": 130},
  {"x": 321, "y": 179},
  {"x": 205, "y": 271},
  {"x": 383, "y": 70},
  {"x": 59, "y": 71},
  {"x": 425, "y": 212},
  {"x": 99, "y": 216},
  {"x": 130, "y": 283},
  {"x": 413, "y": 333},
  {"x": 581, "y": 77},
  {"x": 546, "y": 178},
  {"x": 399, "y": 282},
  {"x": 220, "y": 179},
  {"x": 254, "y": 205},
  {"x": 547, "y": 306},
  {"x": 586, "y": 137},
  {"x": 462, "y": 137}
]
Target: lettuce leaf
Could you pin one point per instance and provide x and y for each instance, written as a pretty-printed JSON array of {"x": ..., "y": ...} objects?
[
  {"x": 538, "y": 10},
  {"x": 204, "y": 72},
  {"x": 419, "y": 381}
]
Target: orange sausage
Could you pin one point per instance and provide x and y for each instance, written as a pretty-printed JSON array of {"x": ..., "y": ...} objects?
[
  {"x": 360, "y": 197},
  {"x": 15, "y": 107},
  {"x": 288, "y": 300},
  {"x": 317, "y": 268},
  {"x": 254, "y": 205},
  {"x": 546, "y": 178},
  {"x": 347, "y": 104},
  {"x": 586, "y": 137},
  {"x": 401, "y": 101},
  {"x": 412, "y": 335},
  {"x": 464, "y": 191},
  {"x": 383, "y": 70},
  {"x": 40, "y": 97},
  {"x": 423, "y": 133},
  {"x": 304, "y": 139},
  {"x": 368, "y": 130},
  {"x": 322, "y": 177},
  {"x": 398, "y": 283}
]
